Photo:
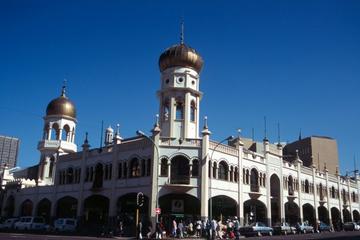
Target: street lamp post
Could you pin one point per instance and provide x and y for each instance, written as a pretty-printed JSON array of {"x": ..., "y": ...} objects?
[
  {"x": 211, "y": 173},
  {"x": 140, "y": 133}
]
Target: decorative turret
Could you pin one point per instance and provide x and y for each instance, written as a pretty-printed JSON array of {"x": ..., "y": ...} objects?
[
  {"x": 179, "y": 95},
  {"x": 58, "y": 135}
]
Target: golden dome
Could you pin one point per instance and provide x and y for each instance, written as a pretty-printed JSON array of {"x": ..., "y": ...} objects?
[
  {"x": 182, "y": 56},
  {"x": 61, "y": 106}
]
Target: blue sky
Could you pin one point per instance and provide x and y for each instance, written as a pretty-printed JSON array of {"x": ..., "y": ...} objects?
[{"x": 295, "y": 62}]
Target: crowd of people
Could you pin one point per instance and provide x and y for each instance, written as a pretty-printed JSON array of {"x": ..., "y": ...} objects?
[{"x": 196, "y": 229}]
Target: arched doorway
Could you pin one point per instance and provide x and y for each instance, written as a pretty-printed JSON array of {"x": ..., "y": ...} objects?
[
  {"x": 26, "y": 208},
  {"x": 309, "y": 213},
  {"x": 254, "y": 211},
  {"x": 126, "y": 210},
  {"x": 336, "y": 218},
  {"x": 96, "y": 210},
  {"x": 66, "y": 207},
  {"x": 323, "y": 214},
  {"x": 356, "y": 216},
  {"x": 180, "y": 170},
  {"x": 346, "y": 215},
  {"x": 179, "y": 206},
  {"x": 44, "y": 209},
  {"x": 9, "y": 207},
  {"x": 275, "y": 199},
  {"x": 222, "y": 207},
  {"x": 292, "y": 213}
]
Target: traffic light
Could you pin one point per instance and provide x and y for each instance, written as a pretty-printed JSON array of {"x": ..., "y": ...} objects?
[{"x": 140, "y": 199}]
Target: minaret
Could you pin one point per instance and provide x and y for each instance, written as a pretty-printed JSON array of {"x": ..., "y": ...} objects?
[
  {"x": 58, "y": 136},
  {"x": 109, "y": 136},
  {"x": 179, "y": 94}
]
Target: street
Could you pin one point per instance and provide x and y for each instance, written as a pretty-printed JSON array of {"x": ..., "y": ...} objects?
[{"x": 333, "y": 235}]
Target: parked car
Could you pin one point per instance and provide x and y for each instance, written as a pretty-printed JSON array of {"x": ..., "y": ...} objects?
[
  {"x": 351, "y": 226},
  {"x": 323, "y": 227},
  {"x": 256, "y": 229},
  {"x": 8, "y": 223},
  {"x": 304, "y": 228},
  {"x": 30, "y": 223},
  {"x": 284, "y": 228},
  {"x": 65, "y": 225}
]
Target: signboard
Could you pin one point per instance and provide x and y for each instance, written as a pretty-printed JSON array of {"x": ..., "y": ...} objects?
[
  {"x": 158, "y": 210},
  {"x": 177, "y": 205}
]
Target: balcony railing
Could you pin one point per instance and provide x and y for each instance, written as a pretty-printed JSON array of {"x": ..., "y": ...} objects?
[
  {"x": 180, "y": 179},
  {"x": 254, "y": 188},
  {"x": 291, "y": 191}
]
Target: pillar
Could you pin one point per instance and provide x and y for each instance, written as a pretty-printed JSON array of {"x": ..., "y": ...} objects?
[{"x": 204, "y": 173}]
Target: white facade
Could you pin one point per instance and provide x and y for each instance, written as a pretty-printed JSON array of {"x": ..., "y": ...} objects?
[{"x": 183, "y": 173}]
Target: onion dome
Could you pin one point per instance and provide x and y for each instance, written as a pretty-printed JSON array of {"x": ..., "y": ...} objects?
[
  {"x": 180, "y": 55},
  {"x": 61, "y": 106}
]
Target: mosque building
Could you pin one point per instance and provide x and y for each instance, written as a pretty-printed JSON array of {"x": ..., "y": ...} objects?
[{"x": 181, "y": 172}]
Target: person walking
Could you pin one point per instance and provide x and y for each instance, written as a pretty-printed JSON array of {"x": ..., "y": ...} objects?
[
  {"x": 174, "y": 228},
  {"x": 181, "y": 229}
]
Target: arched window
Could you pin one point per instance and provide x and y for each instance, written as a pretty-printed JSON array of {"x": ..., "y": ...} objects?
[
  {"x": 192, "y": 111},
  {"x": 247, "y": 176},
  {"x": 51, "y": 166},
  {"x": 195, "y": 168},
  {"x": 291, "y": 185},
  {"x": 164, "y": 167},
  {"x": 244, "y": 176},
  {"x": 166, "y": 110},
  {"x": 125, "y": 170},
  {"x": 307, "y": 188},
  {"x": 223, "y": 170},
  {"x": 119, "y": 170},
  {"x": 353, "y": 197},
  {"x": 236, "y": 175},
  {"x": 260, "y": 179},
  {"x": 210, "y": 167},
  {"x": 46, "y": 132},
  {"x": 264, "y": 180},
  {"x": 231, "y": 174},
  {"x": 99, "y": 176},
  {"x": 70, "y": 175},
  {"x": 148, "y": 169},
  {"x": 55, "y": 132},
  {"x": 254, "y": 180},
  {"x": 214, "y": 170},
  {"x": 143, "y": 168},
  {"x": 179, "y": 111},
  {"x": 135, "y": 167},
  {"x": 65, "y": 135}
]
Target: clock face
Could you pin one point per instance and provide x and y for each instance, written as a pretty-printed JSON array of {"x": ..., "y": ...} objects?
[{"x": 180, "y": 80}]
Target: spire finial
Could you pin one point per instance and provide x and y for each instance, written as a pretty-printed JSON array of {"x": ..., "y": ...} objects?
[
  {"x": 63, "y": 88},
  {"x": 300, "y": 135},
  {"x": 182, "y": 32},
  {"x": 118, "y": 129},
  {"x": 157, "y": 120},
  {"x": 239, "y": 132},
  {"x": 265, "y": 130},
  {"x": 86, "y": 138},
  {"x": 205, "y": 122}
]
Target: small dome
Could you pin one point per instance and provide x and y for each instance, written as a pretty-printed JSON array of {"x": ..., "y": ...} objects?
[
  {"x": 109, "y": 129},
  {"x": 180, "y": 55},
  {"x": 61, "y": 106}
]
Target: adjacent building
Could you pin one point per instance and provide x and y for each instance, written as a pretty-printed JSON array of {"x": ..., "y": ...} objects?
[{"x": 9, "y": 149}]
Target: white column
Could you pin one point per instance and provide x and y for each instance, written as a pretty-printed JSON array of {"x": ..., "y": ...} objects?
[{"x": 204, "y": 174}]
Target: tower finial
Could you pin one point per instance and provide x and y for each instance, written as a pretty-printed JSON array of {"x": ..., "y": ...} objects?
[
  {"x": 206, "y": 122},
  {"x": 182, "y": 32},
  {"x": 63, "y": 91},
  {"x": 265, "y": 130}
]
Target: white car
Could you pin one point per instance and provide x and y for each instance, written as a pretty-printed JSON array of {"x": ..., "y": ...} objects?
[
  {"x": 30, "y": 223},
  {"x": 8, "y": 223},
  {"x": 65, "y": 225}
]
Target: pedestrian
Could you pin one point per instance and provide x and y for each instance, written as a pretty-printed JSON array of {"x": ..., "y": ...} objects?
[
  {"x": 181, "y": 229},
  {"x": 158, "y": 231},
  {"x": 140, "y": 230},
  {"x": 198, "y": 228},
  {"x": 174, "y": 228}
]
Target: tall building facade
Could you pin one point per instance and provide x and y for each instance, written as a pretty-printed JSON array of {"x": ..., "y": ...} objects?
[
  {"x": 181, "y": 172},
  {"x": 9, "y": 149}
]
